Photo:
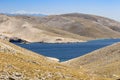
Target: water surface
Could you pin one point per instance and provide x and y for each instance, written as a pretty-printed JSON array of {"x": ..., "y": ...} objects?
[{"x": 66, "y": 51}]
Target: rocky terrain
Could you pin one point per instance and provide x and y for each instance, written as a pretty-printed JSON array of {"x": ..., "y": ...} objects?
[
  {"x": 104, "y": 62},
  {"x": 64, "y": 28},
  {"x": 19, "y": 64}
]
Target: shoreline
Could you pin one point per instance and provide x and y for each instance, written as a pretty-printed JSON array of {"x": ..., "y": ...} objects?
[{"x": 65, "y": 42}]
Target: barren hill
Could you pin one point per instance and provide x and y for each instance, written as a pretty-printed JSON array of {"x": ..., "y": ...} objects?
[
  {"x": 104, "y": 62},
  {"x": 72, "y": 27}
]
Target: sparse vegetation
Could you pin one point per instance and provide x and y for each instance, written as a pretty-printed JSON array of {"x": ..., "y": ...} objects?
[{"x": 26, "y": 65}]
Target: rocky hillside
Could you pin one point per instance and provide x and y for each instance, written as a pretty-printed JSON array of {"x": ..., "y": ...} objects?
[
  {"x": 104, "y": 62},
  {"x": 19, "y": 64},
  {"x": 72, "y": 27}
]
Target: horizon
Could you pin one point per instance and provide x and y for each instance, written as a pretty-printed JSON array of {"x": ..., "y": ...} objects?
[{"x": 108, "y": 8}]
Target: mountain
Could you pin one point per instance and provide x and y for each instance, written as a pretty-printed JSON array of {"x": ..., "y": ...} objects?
[
  {"x": 104, "y": 62},
  {"x": 17, "y": 63},
  {"x": 24, "y": 14},
  {"x": 63, "y": 28}
]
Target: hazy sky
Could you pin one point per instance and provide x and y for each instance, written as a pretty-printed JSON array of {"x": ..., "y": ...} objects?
[{"x": 108, "y": 8}]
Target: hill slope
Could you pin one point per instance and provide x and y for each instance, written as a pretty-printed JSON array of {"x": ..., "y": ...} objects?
[
  {"x": 104, "y": 62},
  {"x": 84, "y": 25},
  {"x": 19, "y": 64}
]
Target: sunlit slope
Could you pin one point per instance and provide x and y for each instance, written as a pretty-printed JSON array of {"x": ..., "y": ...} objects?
[{"x": 20, "y": 64}]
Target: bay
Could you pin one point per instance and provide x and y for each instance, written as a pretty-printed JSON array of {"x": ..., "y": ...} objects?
[{"x": 67, "y": 51}]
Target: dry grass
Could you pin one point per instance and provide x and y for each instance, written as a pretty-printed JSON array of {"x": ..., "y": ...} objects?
[
  {"x": 104, "y": 62},
  {"x": 25, "y": 65}
]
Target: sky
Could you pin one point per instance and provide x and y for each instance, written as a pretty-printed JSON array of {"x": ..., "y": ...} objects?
[{"x": 107, "y": 8}]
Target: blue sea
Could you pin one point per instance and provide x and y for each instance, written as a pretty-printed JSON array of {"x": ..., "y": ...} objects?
[{"x": 67, "y": 51}]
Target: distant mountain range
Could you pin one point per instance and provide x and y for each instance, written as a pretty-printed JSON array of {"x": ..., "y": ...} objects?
[{"x": 24, "y": 14}]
